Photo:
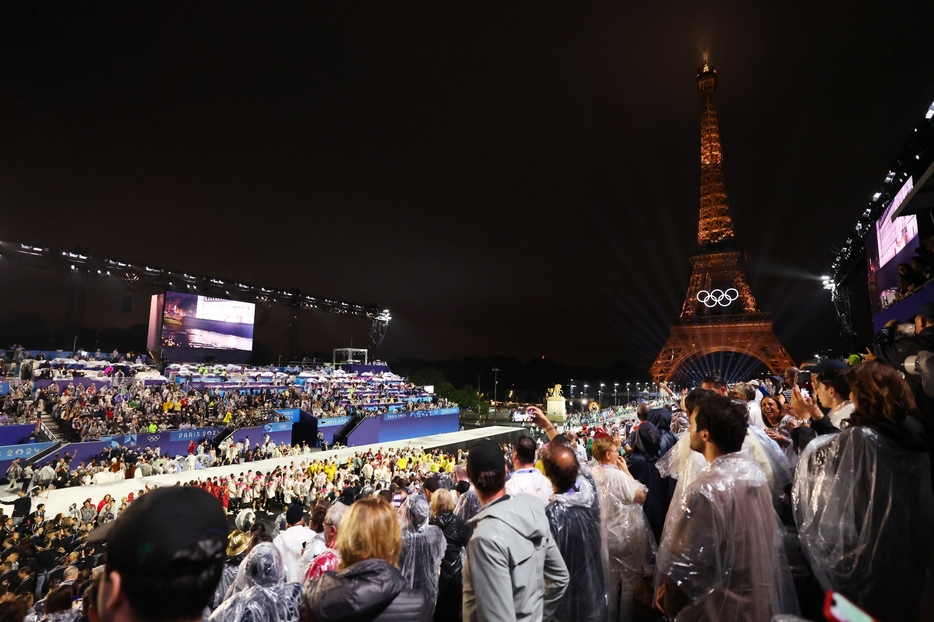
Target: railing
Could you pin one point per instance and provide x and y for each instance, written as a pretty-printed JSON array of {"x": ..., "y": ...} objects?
[
  {"x": 35, "y": 458},
  {"x": 221, "y": 436},
  {"x": 44, "y": 429},
  {"x": 341, "y": 436}
]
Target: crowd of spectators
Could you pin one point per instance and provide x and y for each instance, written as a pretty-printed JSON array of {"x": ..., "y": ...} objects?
[
  {"x": 205, "y": 396},
  {"x": 739, "y": 502},
  {"x": 913, "y": 275},
  {"x": 729, "y": 503}
]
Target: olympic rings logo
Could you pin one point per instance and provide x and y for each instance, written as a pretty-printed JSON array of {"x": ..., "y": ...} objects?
[
  {"x": 717, "y": 297},
  {"x": 152, "y": 439}
]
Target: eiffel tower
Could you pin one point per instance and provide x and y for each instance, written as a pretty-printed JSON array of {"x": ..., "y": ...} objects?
[{"x": 719, "y": 313}]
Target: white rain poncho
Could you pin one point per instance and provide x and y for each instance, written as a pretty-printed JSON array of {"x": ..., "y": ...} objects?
[
  {"x": 865, "y": 513},
  {"x": 722, "y": 547},
  {"x": 630, "y": 543},
  {"x": 423, "y": 547},
  {"x": 260, "y": 593},
  {"x": 576, "y": 528}
]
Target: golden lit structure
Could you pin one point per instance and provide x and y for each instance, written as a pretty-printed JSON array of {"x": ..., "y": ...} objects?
[{"x": 719, "y": 313}]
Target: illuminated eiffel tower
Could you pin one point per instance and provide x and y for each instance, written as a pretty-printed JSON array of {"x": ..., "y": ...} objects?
[{"x": 719, "y": 313}]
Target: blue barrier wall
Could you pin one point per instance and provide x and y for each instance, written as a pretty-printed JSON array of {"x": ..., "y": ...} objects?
[
  {"x": 174, "y": 442},
  {"x": 329, "y": 426},
  {"x": 366, "y": 433},
  {"x": 10, "y": 452},
  {"x": 294, "y": 414},
  {"x": 16, "y": 434},
  {"x": 398, "y": 426}
]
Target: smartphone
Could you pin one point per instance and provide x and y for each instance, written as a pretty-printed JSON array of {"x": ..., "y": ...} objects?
[
  {"x": 397, "y": 500},
  {"x": 522, "y": 416},
  {"x": 804, "y": 383},
  {"x": 838, "y": 608}
]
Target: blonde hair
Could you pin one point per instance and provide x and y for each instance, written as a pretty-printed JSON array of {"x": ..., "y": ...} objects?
[
  {"x": 369, "y": 530},
  {"x": 441, "y": 501},
  {"x": 601, "y": 446}
]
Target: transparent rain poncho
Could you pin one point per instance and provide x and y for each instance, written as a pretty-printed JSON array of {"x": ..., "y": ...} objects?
[
  {"x": 683, "y": 464},
  {"x": 630, "y": 543},
  {"x": 260, "y": 593},
  {"x": 245, "y": 519},
  {"x": 722, "y": 547},
  {"x": 228, "y": 576},
  {"x": 865, "y": 513},
  {"x": 579, "y": 536},
  {"x": 423, "y": 547},
  {"x": 468, "y": 504}
]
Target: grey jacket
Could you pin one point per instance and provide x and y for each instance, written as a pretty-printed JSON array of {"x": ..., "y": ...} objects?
[{"x": 514, "y": 571}]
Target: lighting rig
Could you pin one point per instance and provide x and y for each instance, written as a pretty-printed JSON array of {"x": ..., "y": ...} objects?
[
  {"x": 915, "y": 158},
  {"x": 82, "y": 265}
]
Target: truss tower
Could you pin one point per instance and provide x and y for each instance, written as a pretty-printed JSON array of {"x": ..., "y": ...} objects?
[{"x": 719, "y": 313}]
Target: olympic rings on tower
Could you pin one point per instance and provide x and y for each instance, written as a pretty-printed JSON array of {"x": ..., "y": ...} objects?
[{"x": 716, "y": 297}]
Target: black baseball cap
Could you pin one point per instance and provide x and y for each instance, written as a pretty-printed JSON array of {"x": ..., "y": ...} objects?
[
  {"x": 145, "y": 538},
  {"x": 829, "y": 365},
  {"x": 925, "y": 310},
  {"x": 486, "y": 455}
]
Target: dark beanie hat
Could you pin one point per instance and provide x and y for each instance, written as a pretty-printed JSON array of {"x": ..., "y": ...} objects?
[{"x": 294, "y": 514}]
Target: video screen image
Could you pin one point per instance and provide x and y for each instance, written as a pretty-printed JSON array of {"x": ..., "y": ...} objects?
[
  {"x": 193, "y": 321},
  {"x": 893, "y": 236}
]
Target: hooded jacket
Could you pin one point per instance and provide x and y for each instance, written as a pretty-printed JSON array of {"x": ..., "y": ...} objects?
[
  {"x": 514, "y": 570},
  {"x": 291, "y": 543},
  {"x": 369, "y": 591}
]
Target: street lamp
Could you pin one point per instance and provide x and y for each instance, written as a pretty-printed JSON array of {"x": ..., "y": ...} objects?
[
  {"x": 584, "y": 397},
  {"x": 627, "y": 393},
  {"x": 495, "y": 371},
  {"x": 600, "y": 394},
  {"x": 615, "y": 397}
]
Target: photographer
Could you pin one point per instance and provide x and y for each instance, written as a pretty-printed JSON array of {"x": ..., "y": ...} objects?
[{"x": 891, "y": 347}]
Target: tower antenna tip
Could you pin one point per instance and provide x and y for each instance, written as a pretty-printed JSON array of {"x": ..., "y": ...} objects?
[{"x": 706, "y": 64}]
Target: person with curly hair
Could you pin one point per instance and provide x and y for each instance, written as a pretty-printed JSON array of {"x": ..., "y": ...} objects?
[{"x": 863, "y": 500}]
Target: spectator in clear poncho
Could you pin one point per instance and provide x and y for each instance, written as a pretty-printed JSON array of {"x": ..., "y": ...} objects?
[
  {"x": 260, "y": 592},
  {"x": 721, "y": 556},
  {"x": 863, "y": 500},
  {"x": 237, "y": 543},
  {"x": 630, "y": 543},
  {"x": 575, "y": 526},
  {"x": 684, "y": 464},
  {"x": 423, "y": 547}
]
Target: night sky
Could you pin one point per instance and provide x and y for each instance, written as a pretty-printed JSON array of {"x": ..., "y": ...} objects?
[{"x": 517, "y": 179}]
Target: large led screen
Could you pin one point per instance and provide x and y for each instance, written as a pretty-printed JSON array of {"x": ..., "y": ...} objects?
[
  {"x": 893, "y": 236},
  {"x": 193, "y": 321}
]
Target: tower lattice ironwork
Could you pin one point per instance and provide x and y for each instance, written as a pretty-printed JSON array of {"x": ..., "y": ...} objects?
[{"x": 719, "y": 313}]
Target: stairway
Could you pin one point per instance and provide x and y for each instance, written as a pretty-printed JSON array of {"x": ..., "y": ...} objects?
[
  {"x": 343, "y": 435},
  {"x": 52, "y": 426}
]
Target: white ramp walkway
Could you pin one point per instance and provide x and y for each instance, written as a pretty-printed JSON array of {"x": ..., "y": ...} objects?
[{"x": 59, "y": 500}]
